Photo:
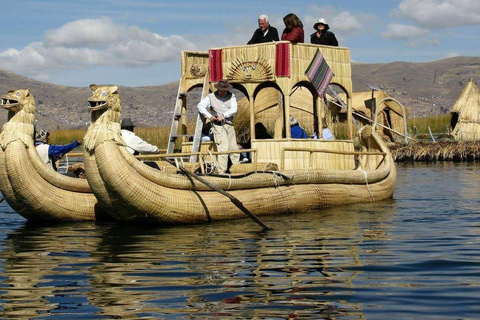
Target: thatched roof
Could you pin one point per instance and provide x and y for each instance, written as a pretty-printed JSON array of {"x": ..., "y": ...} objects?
[
  {"x": 468, "y": 104},
  {"x": 467, "y": 125},
  {"x": 359, "y": 98}
]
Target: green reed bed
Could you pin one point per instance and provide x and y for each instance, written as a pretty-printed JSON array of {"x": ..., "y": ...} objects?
[{"x": 437, "y": 124}]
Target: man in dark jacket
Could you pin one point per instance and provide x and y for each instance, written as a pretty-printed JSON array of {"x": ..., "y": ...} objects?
[
  {"x": 322, "y": 35},
  {"x": 265, "y": 32}
]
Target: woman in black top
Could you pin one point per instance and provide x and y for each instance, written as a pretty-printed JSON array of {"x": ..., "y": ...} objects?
[{"x": 322, "y": 35}]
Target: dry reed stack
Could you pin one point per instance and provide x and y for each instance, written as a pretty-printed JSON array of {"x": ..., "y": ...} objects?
[
  {"x": 465, "y": 122},
  {"x": 438, "y": 151}
]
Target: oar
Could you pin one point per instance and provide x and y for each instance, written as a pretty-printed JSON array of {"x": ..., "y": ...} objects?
[{"x": 235, "y": 201}]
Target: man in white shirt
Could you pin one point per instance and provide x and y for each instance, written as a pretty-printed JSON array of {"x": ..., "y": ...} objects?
[
  {"x": 220, "y": 107},
  {"x": 135, "y": 144}
]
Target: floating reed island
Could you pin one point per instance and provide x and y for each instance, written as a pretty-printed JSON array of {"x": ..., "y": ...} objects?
[
  {"x": 464, "y": 128},
  {"x": 436, "y": 151}
]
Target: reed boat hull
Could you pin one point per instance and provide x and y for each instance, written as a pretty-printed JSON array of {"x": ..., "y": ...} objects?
[
  {"x": 140, "y": 193},
  {"x": 38, "y": 193}
]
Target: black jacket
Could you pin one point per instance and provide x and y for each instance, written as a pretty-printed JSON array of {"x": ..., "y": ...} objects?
[
  {"x": 327, "y": 38},
  {"x": 258, "y": 37}
]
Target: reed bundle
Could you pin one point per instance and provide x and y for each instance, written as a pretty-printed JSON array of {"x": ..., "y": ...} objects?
[{"x": 438, "y": 151}]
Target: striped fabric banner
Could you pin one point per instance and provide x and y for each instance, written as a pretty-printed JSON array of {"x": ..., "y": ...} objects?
[
  {"x": 282, "y": 60},
  {"x": 215, "y": 64},
  {"x": 319, "y": 73}
]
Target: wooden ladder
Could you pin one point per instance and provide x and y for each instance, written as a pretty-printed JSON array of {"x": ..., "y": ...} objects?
[{"x": 178, "y": 114}]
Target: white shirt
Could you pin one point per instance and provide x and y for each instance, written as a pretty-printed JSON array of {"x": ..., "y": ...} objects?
[
  {"x": 230, "y": 108},
  {"x": 42, "y": 150},
  {"x": 135, "y": 143},
  {"x": 327, "y": 134}
]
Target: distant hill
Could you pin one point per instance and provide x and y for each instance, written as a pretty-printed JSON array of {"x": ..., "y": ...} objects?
[{"x": 424, "y": 88}]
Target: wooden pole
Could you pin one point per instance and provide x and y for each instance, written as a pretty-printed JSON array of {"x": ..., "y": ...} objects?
[{"x": 234, "y": 200}]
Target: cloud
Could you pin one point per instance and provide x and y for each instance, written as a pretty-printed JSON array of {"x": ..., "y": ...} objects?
[
  {"x": 397, "y": 31},
  {"x": 438, "y": 14},
  {"x": 342, "y": 23},
  {"x": 93, "y": 42},
  {"x": 451, "y": 55}
]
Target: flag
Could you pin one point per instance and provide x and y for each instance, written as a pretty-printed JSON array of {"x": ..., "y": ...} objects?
[
  {"x": 282, "y": 60},
  {"x": 215, "y": 65},
  {"x": 319, "y": 73}
]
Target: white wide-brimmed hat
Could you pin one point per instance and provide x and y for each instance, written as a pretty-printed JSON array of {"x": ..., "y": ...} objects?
[{"x": 320, "y": 21}]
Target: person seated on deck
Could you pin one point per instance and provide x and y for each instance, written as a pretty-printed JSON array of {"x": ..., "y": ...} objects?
[
  {"x": 326, "y": 133},
  {"x": 261, "y": 131},
  {"x": 265, "y": 32},
  {"x": 50, "y": 153},
  {"x": 244, "y": 156},
  {"x": 207, "y": 132},
  {"x": 296, "y": 131},
  {"x": 135, "y": 144},
  {"x": 322, "y": 35}
]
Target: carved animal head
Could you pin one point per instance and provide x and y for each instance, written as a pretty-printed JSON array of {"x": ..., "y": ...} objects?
[
  {"x": 104, "y": 97},
  {"x": 105, "y": 105},
  {"x": 21, "y": 116},
  {"x": 17, "y": 100}
]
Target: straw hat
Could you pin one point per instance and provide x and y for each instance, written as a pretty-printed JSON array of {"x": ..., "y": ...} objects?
[
  {"x": 223, "y": 85},
  {"x": 320, "y": 21},
  {"x": 293, "y": 121},
  {"x": 127, "y": 123}
]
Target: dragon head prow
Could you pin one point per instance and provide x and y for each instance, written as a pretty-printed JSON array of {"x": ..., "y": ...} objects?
[
  {"x": 105, "y": 105},
  {"x": 17, "y": 100},
  {"x": 104, "y": 97},
  {"x": 21, "y": 116}
]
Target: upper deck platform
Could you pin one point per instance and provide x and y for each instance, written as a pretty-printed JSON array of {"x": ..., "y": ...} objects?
[{"x": 278, "y": 63}]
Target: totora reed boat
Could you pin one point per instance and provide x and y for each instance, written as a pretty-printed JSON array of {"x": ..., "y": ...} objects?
[
  {"x": 286, "y": 175},
  {"x": 29, "y": 186}
]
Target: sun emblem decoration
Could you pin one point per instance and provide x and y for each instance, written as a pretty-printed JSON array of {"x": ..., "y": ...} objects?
[{"x": 250, "y": 71}]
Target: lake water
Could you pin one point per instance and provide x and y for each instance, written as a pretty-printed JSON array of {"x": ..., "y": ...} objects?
[{"x": 416, "y": 256}]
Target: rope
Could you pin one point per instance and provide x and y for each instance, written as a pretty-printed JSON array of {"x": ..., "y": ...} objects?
[
  {"x": 229, "y": 181},
  {"x": 275, "y": 179},
  {"x": 208, "y": 165},
  {"x": 366, "y": 181},
  {"x": 277, "y": 185}
]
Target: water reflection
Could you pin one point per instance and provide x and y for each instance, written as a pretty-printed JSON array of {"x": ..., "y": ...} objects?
[
  {"x": 45, "y": 268},
  {"x": 416, "y": 256},
  {"x": 301, "y": 268}
]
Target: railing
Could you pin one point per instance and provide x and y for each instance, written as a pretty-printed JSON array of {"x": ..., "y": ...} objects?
[
  {"x": 314, "y": 151},
  {"x": 202, "y": 154}
]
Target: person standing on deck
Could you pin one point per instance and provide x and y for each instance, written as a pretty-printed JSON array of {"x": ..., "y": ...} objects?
[
  {"x": 322, "y": 35},
  {"x": 220, "y": 107},
  {"x": 293, "y": 31},
  {"x": 265, "y": 32}
]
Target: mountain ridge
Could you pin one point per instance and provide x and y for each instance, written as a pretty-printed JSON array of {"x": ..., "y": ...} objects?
[{"x": 425, "y": 88}]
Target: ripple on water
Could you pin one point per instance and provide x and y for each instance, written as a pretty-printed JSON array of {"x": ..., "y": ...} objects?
[{"x": 415, "y": 256}]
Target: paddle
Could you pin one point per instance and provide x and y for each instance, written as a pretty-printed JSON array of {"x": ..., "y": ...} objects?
[{"x": 234, "y": 200}]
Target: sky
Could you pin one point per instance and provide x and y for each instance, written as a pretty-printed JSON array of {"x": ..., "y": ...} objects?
[{"x": 138, "y": 42}]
